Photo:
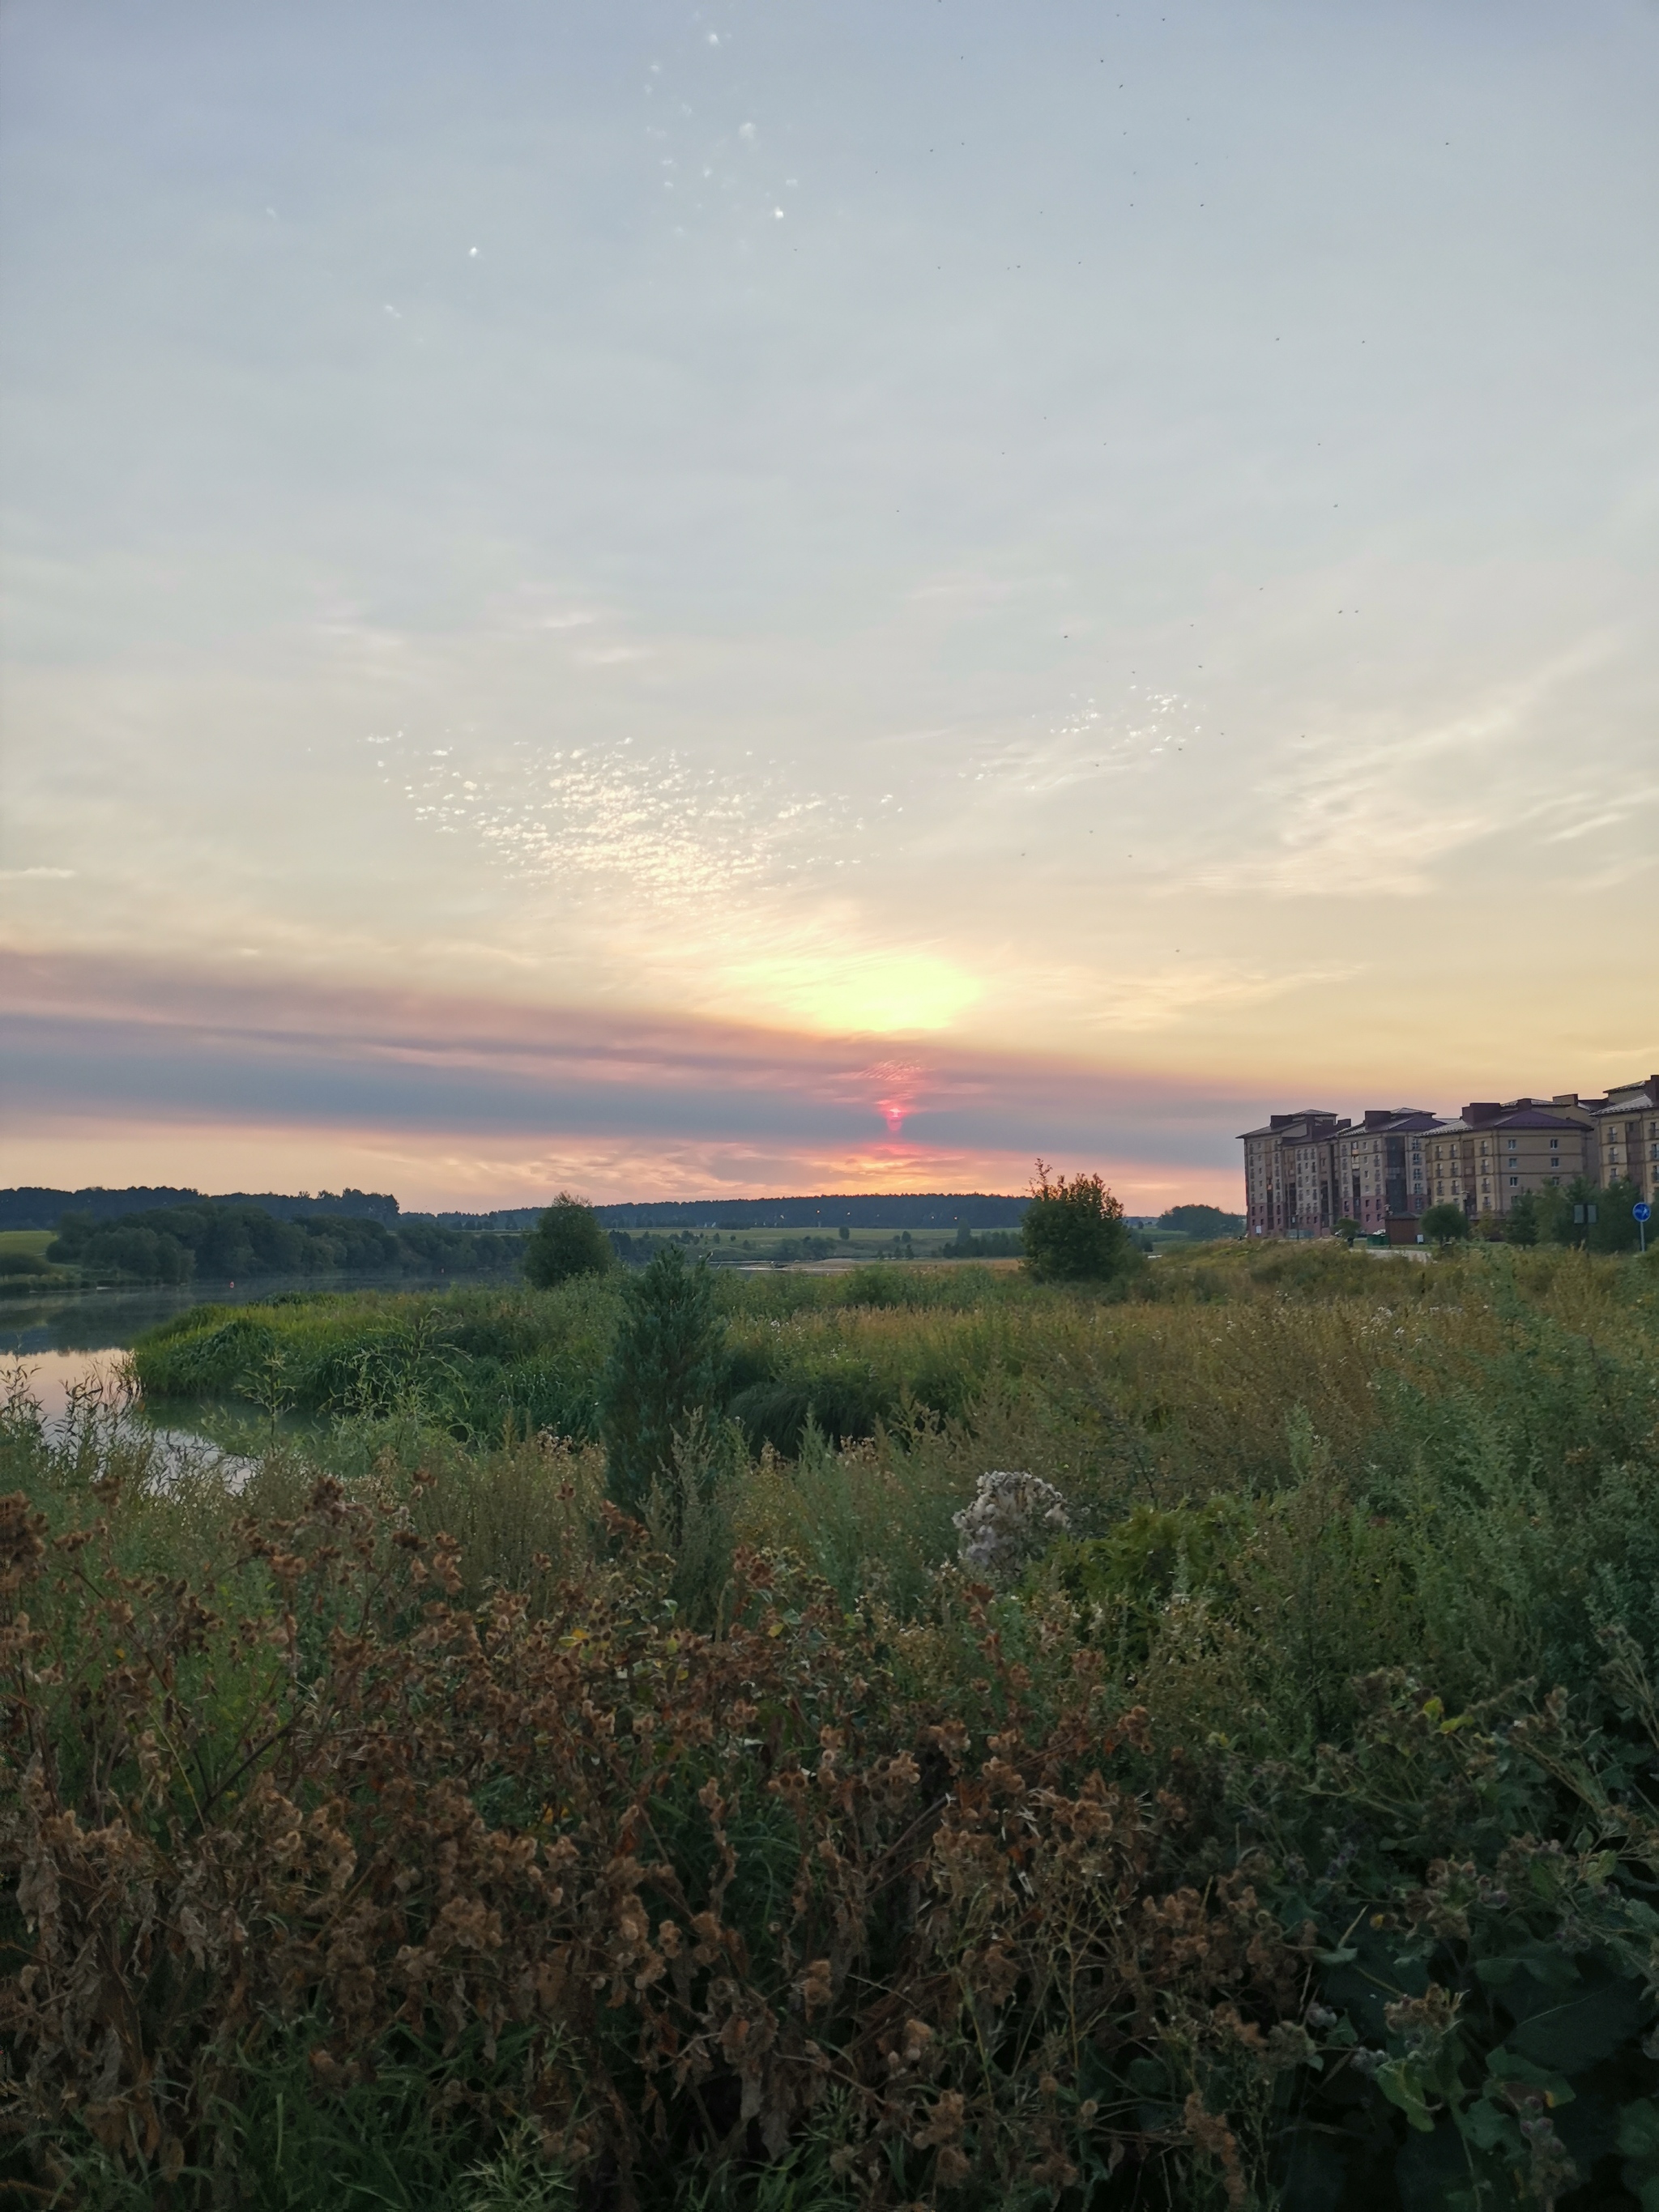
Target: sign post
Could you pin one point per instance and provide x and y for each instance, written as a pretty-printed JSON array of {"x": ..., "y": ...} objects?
[{"x": 1644, "y": 1213}]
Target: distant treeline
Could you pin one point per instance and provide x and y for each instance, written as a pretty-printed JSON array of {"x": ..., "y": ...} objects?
[
  {"x": 895, "y": 1210},
  {"x": 1203, "y": 1224},
  {"x": 235, "y": 1243},
  {"x": 38, "y": 1208}
]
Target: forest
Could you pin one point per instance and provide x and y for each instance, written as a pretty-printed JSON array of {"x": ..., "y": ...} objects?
[{"x": 216, "y": 1242}]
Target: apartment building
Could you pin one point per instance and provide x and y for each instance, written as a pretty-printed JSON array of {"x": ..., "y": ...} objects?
[
  {"x": 1484, "y": 1158},
  {"x": 1379, "y": 1165},
  {"x": 1626, "y": 1130},
  {"x": 1288, "y": 1174},
  {"x": 1303, "y": 1172}
]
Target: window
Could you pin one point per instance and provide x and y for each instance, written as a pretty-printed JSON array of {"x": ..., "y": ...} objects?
[
  {"x": 1513, "y": 1181},
  {"x": 1555, "y": 1143}
]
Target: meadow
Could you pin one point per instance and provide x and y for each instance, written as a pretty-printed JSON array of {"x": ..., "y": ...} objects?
[{"x": 1266, "y": 1818}]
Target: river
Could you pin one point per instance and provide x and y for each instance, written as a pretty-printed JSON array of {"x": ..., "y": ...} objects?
[{"x": 78, "y": 1339}]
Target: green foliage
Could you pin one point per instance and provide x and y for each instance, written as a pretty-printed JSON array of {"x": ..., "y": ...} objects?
[
  {"x": 234, "y": 1243},
  {"x": 1201, "y": 1223},
  {"x": 1522, "y": 1223},
  {"x": 666, "y": 1366},
  {"x": 1153, "y": 1558},
  {"x": 1347, "y": 1229},
  {"x": 1247, "y": 1854},
  {"x": 1446, "y": 1223},
  {"x": 1615, "y": 1229},
  {"x": 989, "y": 1244},
  {"x": 1074, "y": 1232},
  {"x": 566, "y": 1241},
  {"x": 13, "y": 1262}
]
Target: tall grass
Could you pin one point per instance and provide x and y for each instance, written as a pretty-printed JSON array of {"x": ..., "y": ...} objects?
[{"x": 1288, "y": 1838}]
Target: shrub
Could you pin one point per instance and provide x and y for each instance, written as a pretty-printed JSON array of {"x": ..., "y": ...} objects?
[
  {"x": 1446, "y": 1223},
  {"x": 667, "y": 1897},
  {"x": 1074, "y": 1232},
  {"x": 566, "y": 1241}
]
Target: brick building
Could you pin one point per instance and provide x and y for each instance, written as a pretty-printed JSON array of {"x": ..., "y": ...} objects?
[
  {"x": 1288, "y": 1175},
  {"x": 1304, "y": 1172},
  {"x": 1379, "y": 1165}
]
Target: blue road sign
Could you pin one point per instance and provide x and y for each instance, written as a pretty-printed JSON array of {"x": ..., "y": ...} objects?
[{"x": 1642, "y": 1210}]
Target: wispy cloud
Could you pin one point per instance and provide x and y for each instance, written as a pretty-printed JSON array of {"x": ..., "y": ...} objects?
[{"x": 1372, "y": 811}]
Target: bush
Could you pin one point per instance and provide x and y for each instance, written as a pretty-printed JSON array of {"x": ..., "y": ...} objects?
[
  {"x": 511, "y": 1870},
  {"x": 1074, "y": 1232},
  {"x": 1446, "y": 1223},
  {"x": 566, "y": 1241}
]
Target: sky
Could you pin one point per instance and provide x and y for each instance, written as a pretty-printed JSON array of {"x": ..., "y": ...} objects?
[{"x": 816, "y": 594}]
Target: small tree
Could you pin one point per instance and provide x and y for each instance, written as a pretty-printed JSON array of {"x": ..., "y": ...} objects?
[
  {"x": 566, "y": 1241},
  {"x": 1521, "y": 1222},
  {"x": 1614, "y": 1228},
  {"x": 1445, "y": 1224},
  {"x": 1074, "y": 1232},
  {"x": 666, "y": 1367},
  {"x": 1557, "y": 1205},
  {"x": 1347, "y": 1229}
]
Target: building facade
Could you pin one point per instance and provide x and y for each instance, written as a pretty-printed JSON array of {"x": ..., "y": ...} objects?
[
  {"x": 1379, "y": 1165},
  {"x": 1626, "y": 1131},
  {"x": 1488, "y": 1156},
  {"x": 1286, "y": 1166},
  {"x": 1306, "y": 1171}
]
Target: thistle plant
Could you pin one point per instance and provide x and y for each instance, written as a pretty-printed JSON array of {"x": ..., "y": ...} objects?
[{"x": 1012, "y": 1520}]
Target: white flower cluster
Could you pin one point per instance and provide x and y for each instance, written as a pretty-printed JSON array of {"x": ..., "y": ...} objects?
[{"x": 1012, "y": 1520}]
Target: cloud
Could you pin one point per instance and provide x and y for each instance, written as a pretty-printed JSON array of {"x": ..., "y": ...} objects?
[
  {"x": 117, "y": 1049},
  {"x": 1371, "y": 810}
]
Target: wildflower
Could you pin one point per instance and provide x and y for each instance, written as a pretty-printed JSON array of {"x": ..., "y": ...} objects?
[{"x": 1012, "y": 1520}]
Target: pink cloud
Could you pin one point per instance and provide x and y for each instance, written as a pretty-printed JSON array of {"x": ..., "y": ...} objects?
[{"x": 127, "y": 1072}]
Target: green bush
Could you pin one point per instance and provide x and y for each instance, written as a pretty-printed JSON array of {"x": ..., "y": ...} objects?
[
  {"x": 1074, "y": 1232},
  {"x": 566, "y": 1241},
  {"x": 1446, "y": 1223}
]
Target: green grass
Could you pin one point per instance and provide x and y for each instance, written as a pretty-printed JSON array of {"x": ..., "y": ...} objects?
[{"x": 33, "y": 1240}]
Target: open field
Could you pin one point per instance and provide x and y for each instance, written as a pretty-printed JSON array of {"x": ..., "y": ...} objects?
[
  {"x": 1271, "y": 1822},
  {"x": 32, "y": 1241}
]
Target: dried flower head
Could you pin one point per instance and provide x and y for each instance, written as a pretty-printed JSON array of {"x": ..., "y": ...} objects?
[{"x": 1012, "y": 1520}]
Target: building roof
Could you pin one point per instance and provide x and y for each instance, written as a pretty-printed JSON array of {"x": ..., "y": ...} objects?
[
  {"x": 1281, "y": 1125},
  {"x": 1531, "y": 1117},
  {"x": 1395, "y": 1120},
  {"x": 1629, "y": 1099}
]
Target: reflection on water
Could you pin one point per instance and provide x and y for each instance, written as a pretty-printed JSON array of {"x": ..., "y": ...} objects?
[
  {"x": 55, "y": 1378},
  {"x": 90, "y": 1398},
  {"x": 76, "y": 1344}
]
